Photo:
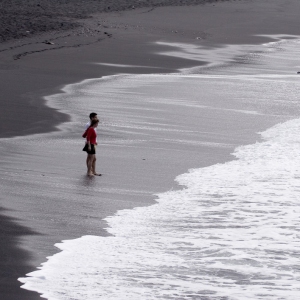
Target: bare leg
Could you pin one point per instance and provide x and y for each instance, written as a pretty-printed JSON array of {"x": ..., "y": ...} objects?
[
  {"x": 94, "y": 165},
  {"x": 90, "y": 160}
]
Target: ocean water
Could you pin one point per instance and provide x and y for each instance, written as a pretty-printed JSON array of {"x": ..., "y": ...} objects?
[{"x": 231, "y": 231}]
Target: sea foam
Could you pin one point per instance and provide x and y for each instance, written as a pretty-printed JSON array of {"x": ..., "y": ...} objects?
[{"x": 231, "y": 231}]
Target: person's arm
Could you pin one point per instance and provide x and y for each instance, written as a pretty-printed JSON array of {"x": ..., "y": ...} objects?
[
  {"x": 84, "y": 134},
  {"x": 88, "y": 138},
  {"x": 89, "y": 145}
]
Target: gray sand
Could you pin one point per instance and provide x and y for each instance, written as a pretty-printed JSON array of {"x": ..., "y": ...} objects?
[{"x": 43, "y": 183}]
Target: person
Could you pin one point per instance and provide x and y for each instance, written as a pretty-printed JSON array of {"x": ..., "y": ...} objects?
[
  {"x": 93, "y": 116},
  {"x": 90, "y": 148}
]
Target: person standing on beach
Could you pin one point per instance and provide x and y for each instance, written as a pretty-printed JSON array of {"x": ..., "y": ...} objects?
[
  {"x": 90, "y": 148},
  {"x": 93, "y": 116}
]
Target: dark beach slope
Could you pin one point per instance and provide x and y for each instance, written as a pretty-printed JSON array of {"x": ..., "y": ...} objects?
[
  {"x": 28, "y": 25},
  {"x": 13, "y": 260},
  {"x": 20, "y": 19},
  {"x": 47, "y": 44},
  {"x": 39, "y": 26}
]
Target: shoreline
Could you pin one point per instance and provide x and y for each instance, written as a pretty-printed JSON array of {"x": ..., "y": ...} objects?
[
  {"x": 40, "y": 71},
  {"x": 46, "y": 119},
  {"x": 83, "y": 236}
]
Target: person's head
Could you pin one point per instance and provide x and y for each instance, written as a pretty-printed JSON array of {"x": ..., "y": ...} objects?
[
  {"x": 93, "y": 116},
  {"x": 94, "y": 123}
]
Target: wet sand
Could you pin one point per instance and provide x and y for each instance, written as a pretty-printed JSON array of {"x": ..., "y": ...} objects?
[{"x": 31, "y": 68}]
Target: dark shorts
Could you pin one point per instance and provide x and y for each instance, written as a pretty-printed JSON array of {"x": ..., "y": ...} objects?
[{"x": 93, "y": 149}]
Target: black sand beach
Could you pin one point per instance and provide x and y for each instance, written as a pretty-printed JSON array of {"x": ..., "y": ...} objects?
[{"x": 45, "y": 46}]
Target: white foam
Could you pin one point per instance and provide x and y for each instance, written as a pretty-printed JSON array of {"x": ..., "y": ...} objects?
[
  {"x": 231, "y": 232},
  {"x": 124, "y": 66},
  {"x": 226, "y": 56}
]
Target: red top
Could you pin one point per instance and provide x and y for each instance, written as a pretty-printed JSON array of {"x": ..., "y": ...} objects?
[{"x": 91, "y": 136}]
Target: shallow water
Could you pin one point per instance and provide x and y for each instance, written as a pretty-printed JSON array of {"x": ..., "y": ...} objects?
[{"x": 232, "y": 230}]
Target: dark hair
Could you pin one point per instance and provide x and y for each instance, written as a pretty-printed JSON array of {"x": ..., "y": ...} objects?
[
  {"x": 92, "y": 115},
  {"x": 94, "y": 122}
]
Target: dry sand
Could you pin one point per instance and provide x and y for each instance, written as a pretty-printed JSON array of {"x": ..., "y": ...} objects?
[{"x": 31, "y": 67}]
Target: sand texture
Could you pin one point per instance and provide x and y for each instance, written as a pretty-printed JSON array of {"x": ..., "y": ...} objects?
[
  {"x": 48, "y": 44},
  {"x": 27, "y": 18}
]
